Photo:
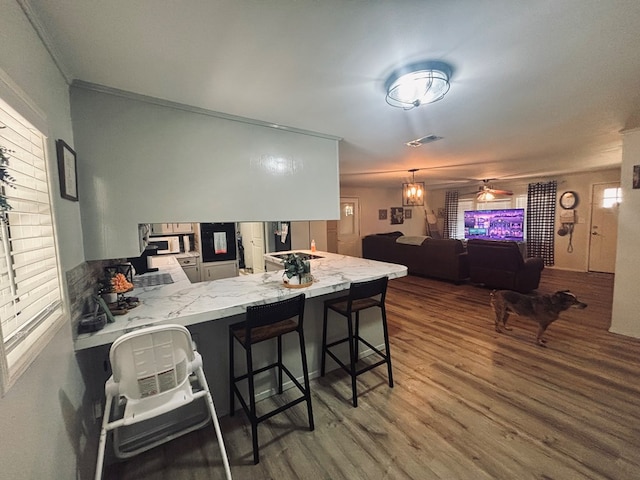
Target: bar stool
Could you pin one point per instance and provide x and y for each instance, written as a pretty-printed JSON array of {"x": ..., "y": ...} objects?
[
  {"x": 362, "y": 295},
  {"x": 264, "y": 322}
]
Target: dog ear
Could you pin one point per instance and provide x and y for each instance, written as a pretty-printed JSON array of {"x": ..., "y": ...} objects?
[{"x": 560, "y": 295}]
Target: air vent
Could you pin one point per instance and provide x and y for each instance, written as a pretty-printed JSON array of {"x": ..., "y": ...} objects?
[{"x": 421, "y": 141}]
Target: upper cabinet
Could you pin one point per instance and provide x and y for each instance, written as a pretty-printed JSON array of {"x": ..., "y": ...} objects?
[
  {"x": 146, "y": 161},
  {"x": 171, "y": 228}
]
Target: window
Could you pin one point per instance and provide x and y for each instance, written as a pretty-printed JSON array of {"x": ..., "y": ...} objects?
[
  {"x": 471, "y": 204},
  {"x": 30, "y": 298},
  {"x": 463, "y": 205},
  {"x": 611, "y": 197}
]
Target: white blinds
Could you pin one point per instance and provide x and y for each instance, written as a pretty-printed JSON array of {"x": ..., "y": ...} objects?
[{"x": 29, "y": 277}]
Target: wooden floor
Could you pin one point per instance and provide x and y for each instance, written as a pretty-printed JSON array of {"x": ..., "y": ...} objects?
[{"x": 468, "y": 403}]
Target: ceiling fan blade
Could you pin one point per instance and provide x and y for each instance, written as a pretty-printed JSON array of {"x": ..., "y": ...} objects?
[{"x": 500, "y": 192}]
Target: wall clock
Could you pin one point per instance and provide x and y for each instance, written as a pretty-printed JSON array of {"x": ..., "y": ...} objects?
[{"x": 568, "y": 200}]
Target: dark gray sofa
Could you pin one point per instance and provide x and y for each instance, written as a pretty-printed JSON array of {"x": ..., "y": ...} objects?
[{"x": 444, "y": 259}]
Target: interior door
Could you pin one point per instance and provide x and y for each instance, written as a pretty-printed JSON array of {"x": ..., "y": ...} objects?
[
  {"x": 253, "y": 240},
  {"x": 604, "y": 227},
  {"x": 349, "y": 227},
  {"x": 257, "y": 247}
]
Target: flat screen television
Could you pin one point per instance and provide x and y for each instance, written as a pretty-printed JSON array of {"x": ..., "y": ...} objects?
[{"x": 506, "y": 224}]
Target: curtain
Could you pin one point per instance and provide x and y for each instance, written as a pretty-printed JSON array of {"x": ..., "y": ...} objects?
[
  {"x": 541, "y": 214},
  {"x": 451, "y": 214}
]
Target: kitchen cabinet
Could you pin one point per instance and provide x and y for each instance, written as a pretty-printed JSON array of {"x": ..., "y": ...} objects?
[
  {"x": 169, "y": 228},
  {"x": 191, "y": 266},
  {"x": 218, "y": 270},
  {"x": 183, "y": 228}
]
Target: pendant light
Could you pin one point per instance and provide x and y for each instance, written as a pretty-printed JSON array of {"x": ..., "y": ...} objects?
[{"x": 413, "y": 193}]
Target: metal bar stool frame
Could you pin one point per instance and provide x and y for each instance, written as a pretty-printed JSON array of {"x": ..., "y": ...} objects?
[
  {"x": 265, "y": 322},
  {"x": 362, "y": 295}
]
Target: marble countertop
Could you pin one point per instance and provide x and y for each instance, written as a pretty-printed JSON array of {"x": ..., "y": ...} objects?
[
  {"x": 161, "y": 260},
  {"x": 189, "y": 303}
]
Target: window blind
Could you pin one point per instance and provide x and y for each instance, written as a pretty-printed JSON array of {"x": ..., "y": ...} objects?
[{"x": 30, "y": 294}]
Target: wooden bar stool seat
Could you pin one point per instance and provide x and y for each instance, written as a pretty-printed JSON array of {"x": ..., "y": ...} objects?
[
  {"x": 266, "y": 322},
  {"x": 362, "y": 296}
]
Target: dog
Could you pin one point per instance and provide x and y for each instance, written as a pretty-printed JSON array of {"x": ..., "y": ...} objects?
[{"x": 543, "y": 309}]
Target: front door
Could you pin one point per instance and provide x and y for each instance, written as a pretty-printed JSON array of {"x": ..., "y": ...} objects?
[
  {"x": 349, "y": 227},
  {"x": 604, "y": 227}
]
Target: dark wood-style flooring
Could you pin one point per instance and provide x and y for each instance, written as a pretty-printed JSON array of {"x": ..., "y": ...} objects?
[{"x": 468, "y": 403}]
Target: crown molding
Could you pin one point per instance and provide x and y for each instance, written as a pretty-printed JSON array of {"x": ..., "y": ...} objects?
[
  {"x": 190, "y": 108},
  {"x": 45, "y": 38}
]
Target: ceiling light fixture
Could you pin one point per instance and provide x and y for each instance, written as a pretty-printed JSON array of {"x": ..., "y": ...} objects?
[
  {"x": 413, "y": 193},
  {"x": 417, "y": 84},
  {"x": 418, "y": 142},
  {"x": 485, "y": 196}
]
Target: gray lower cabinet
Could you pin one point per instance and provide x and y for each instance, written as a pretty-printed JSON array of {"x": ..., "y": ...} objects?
[
  {"x": 219, "y": 270},
  {"x": 191, "y": 266}
]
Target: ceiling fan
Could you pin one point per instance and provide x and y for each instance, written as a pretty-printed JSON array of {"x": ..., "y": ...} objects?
[{"x": 486, "y": 191}]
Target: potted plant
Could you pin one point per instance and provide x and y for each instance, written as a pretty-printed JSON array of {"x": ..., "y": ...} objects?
[{"x": 296, "y": 270}]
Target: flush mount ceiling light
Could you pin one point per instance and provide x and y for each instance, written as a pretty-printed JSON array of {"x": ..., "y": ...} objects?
[
  {"x": 418, "y": 84},
  {"x": 413, "y": 193}
]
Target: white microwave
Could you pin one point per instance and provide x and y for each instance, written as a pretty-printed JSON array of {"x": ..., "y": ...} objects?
[{"x": 166, "y": 244}]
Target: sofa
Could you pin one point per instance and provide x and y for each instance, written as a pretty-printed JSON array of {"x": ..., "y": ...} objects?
[
  {"x": 444, "y": 259},
  {"x": 499, "y": 264}
]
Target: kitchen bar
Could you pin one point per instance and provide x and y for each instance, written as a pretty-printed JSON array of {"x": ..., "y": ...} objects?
[{"x": 207, "y": 308}]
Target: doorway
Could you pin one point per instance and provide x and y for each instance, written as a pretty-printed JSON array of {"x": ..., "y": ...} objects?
[
  {"x": 604, "y": 227},
  {"x": 349, "y": 227},
  {"x": 254, "y": 248}
]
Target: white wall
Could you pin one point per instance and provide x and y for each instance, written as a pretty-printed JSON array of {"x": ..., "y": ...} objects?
[
  {"x": 41, "y": 417},
  {"x": 582, "y": 183},
  {"x": 626, "y": 301},
  {"x": 373, "y": 199},
  {"x": 149, "y": 162}
]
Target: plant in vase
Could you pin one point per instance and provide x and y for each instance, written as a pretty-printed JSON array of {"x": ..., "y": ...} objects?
[{"x": 296, "y": 270}]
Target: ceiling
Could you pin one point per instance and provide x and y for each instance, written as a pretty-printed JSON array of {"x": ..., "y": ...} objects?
[{"x": 539, "y": 88}]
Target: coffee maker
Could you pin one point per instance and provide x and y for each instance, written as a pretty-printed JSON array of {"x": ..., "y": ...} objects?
[{"x": 142, "y": 264}]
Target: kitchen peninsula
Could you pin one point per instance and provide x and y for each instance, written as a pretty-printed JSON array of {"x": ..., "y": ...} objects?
[
  {"x": 187, "y": 304},
  {"x": 208, "y": 308}
]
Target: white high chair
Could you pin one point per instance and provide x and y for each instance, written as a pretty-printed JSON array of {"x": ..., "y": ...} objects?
[{"x": 156, "y": 370}]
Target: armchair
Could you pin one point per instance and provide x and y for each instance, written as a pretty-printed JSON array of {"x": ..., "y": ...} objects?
[{"x": 499, "y": 264}]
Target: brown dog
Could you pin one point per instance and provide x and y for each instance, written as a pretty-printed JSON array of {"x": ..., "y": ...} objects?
[{"x": 543, "y": 309}]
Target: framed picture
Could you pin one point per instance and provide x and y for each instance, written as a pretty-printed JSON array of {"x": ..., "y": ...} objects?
[
  {"x": 382, "y": 214},
  {"x": 407, "y": 213},
  {"x": 67, "y": 171},
  {"x": 397, "y": 216},
  {"x": 636, "y": 176}
]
